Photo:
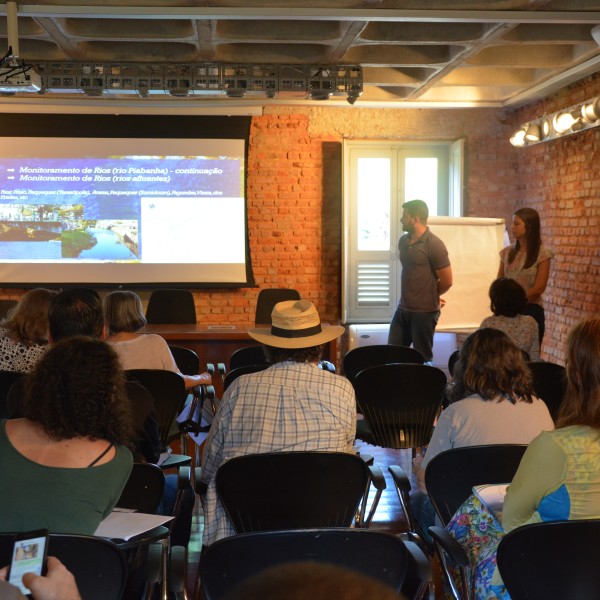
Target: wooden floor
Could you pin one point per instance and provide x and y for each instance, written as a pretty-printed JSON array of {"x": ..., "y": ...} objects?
[{"x": 388, "y": 516}]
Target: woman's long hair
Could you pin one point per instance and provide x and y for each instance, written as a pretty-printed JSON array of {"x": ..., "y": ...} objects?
[
  {"x": 493, "y": 367},
  {"x": 27, "y": 322},
  {"x": 533, "y": 238},
  {"x": 581, "y": 404}
]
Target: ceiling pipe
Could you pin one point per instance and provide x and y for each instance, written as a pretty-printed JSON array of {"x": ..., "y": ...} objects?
[{"x": 12, "y": 28}]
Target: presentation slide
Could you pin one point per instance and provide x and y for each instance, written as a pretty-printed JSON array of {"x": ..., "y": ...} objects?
[{"x": 122, "y": 210}]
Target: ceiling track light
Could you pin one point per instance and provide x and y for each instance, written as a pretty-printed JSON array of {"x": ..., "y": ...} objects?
[
  {"x": 144, "y": 80},
  {"x": 574, "y": 119}
]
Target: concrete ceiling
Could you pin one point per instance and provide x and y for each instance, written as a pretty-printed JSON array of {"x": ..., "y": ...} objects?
[{"x": 412, "y": 52}]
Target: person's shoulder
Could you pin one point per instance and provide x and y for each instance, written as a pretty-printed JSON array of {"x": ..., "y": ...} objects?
[{"x": 544, "y": 253}]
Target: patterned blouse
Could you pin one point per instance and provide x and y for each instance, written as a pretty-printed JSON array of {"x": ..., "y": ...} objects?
[
  {"x": 522, "y": 330},
  {"x": 15, "y": 356},
  {"x": 515, "y": 270}
]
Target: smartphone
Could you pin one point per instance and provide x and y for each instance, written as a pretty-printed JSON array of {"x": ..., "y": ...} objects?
[{"x": 28, "y": 556}]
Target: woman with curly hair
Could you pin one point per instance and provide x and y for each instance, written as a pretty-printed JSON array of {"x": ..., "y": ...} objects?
[
  {"x": 65, "y": 463},
  {"x": 492, "y": 402},
  {"x": 24, "y": 333}
]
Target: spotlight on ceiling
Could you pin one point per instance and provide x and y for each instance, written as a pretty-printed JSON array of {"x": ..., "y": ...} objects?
[
  {"x": 533, "y": 133},
  {"x": 574, "y": 119},
  {"x": 518, "y": 138},
  {"x": 591, "y": 110}
]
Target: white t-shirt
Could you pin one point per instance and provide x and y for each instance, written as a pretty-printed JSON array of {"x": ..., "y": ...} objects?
[
  {"x": 146, "y": 351},
  {"x": 477, "y": 422}
]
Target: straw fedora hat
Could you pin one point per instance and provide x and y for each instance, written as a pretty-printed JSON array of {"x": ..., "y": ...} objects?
[{"x": 296, "y": 324}]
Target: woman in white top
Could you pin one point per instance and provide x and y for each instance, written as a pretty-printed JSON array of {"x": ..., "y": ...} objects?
[
  {"x": 528, "y": 262},
  {"x": 124, "y": 316},
  {"x": 492, "y": 402}
]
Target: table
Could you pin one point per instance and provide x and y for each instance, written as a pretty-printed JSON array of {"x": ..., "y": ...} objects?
[{"x": 216, "y": 343}]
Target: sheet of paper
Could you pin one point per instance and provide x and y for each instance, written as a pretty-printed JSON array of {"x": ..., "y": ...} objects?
[
  {"x": 492, "y": 495},
  {"x": 125, "y": 525}
]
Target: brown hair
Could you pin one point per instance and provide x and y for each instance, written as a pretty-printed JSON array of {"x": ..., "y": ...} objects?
[
  {"x": 300, "y": 355},
  {"x": 311, "y": 579},
  {"x": 27, "y": 322},
  {"x": 417, "y": 208},
  {"x": 581, "y": 404},
  {"x": 123, "y": 312},
  {"x": 492, "y": 366},
  {"x": 531, "y": 218},
  {"x": 508, "y": 298},
  {"x": 77, "y": 389}
]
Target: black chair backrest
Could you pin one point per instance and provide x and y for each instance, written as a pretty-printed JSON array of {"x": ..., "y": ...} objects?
[
  {"x": 230, "y": 561},
  {"x": 267, "y": 299},
  {"x": 99, "y": 567},
  {"x": 552, "y": 560},
  {"x": 7, "y": 379},
  {"x": 168, "y": 390},
  {"x": 232, "y": 375},
  {"x": 400, "y": 403},
  {"x": 187, "y": 360},
  {"x": 144, "y": 488},
  {"x": 292, "y": 490},
  {"x": 171, "y": 307},
  {"x": 362, "y": 357},
  {"x": 550, "y": 384},
  {"x": 451, "y": 475},
  {"x": 248, "y": 355}
]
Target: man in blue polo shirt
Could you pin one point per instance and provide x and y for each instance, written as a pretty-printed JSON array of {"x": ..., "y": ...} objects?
[{"x": 426, "y": 275}]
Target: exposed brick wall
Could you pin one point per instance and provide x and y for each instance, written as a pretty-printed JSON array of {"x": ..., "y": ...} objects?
[
  {"x": 295, "y": 195},
  {"x": 561, "y": 179}
]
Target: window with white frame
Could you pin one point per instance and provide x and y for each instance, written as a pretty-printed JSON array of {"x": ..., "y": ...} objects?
[{"x": 378, "y": 178}]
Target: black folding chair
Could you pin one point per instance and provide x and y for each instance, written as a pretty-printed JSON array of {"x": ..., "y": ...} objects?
[
  {"x": 399, "y": 403},
  {"x": 379, "y": 555},
  {"x": 171, "y": 306},
  {"x": 363, "y": 357},
  {"x": 552, "y": 560},
  {"x": 267, "y": 299},
  {"x": 550, "y": 384},
  {"x": 292, "y": 490},
  {"x": 449, "y": 478}
]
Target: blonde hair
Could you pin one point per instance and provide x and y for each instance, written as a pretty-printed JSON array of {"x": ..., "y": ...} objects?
[
  {"x": 27, "y": 322},
  {"x": 123, "y": 312}
]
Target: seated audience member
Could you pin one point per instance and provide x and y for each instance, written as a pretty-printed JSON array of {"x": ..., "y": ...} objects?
[
  {"x": 124, "y": 316},
  {"x": 492, "y": 402},
  {"x": 509, "y": 304},
  {"x": 24, "y": 333},
  {"x": 65, "y": 463},
  {"x": 558, "y": 478},
  {"x": 291, "y": 406},
  {"x": 57, "y": 584},
  {"x": 75, "y": 312},
  {"x": 312, "y": 580}
]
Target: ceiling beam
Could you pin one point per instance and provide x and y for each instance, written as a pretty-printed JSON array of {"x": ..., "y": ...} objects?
[{"x": 309, "y": 14}]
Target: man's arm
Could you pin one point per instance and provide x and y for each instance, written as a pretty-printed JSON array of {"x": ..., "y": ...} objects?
[{"x": 444, "y": 277}]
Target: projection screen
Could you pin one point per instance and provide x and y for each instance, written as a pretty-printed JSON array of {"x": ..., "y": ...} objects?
[{"x": 131, "y": 210}]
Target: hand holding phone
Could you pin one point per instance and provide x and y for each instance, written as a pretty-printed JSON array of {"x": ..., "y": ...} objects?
[{"x": 29, "y": 556}]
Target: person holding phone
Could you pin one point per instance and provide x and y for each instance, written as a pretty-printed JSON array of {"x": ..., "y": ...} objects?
[{"x": 57, "y": 584}]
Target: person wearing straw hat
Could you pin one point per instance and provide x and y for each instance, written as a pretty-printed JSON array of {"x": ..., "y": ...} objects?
[{"x": 291, "y": 406}]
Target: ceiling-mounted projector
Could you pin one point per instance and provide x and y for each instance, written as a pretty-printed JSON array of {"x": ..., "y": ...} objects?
[{"x": 15, "y": 79}]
